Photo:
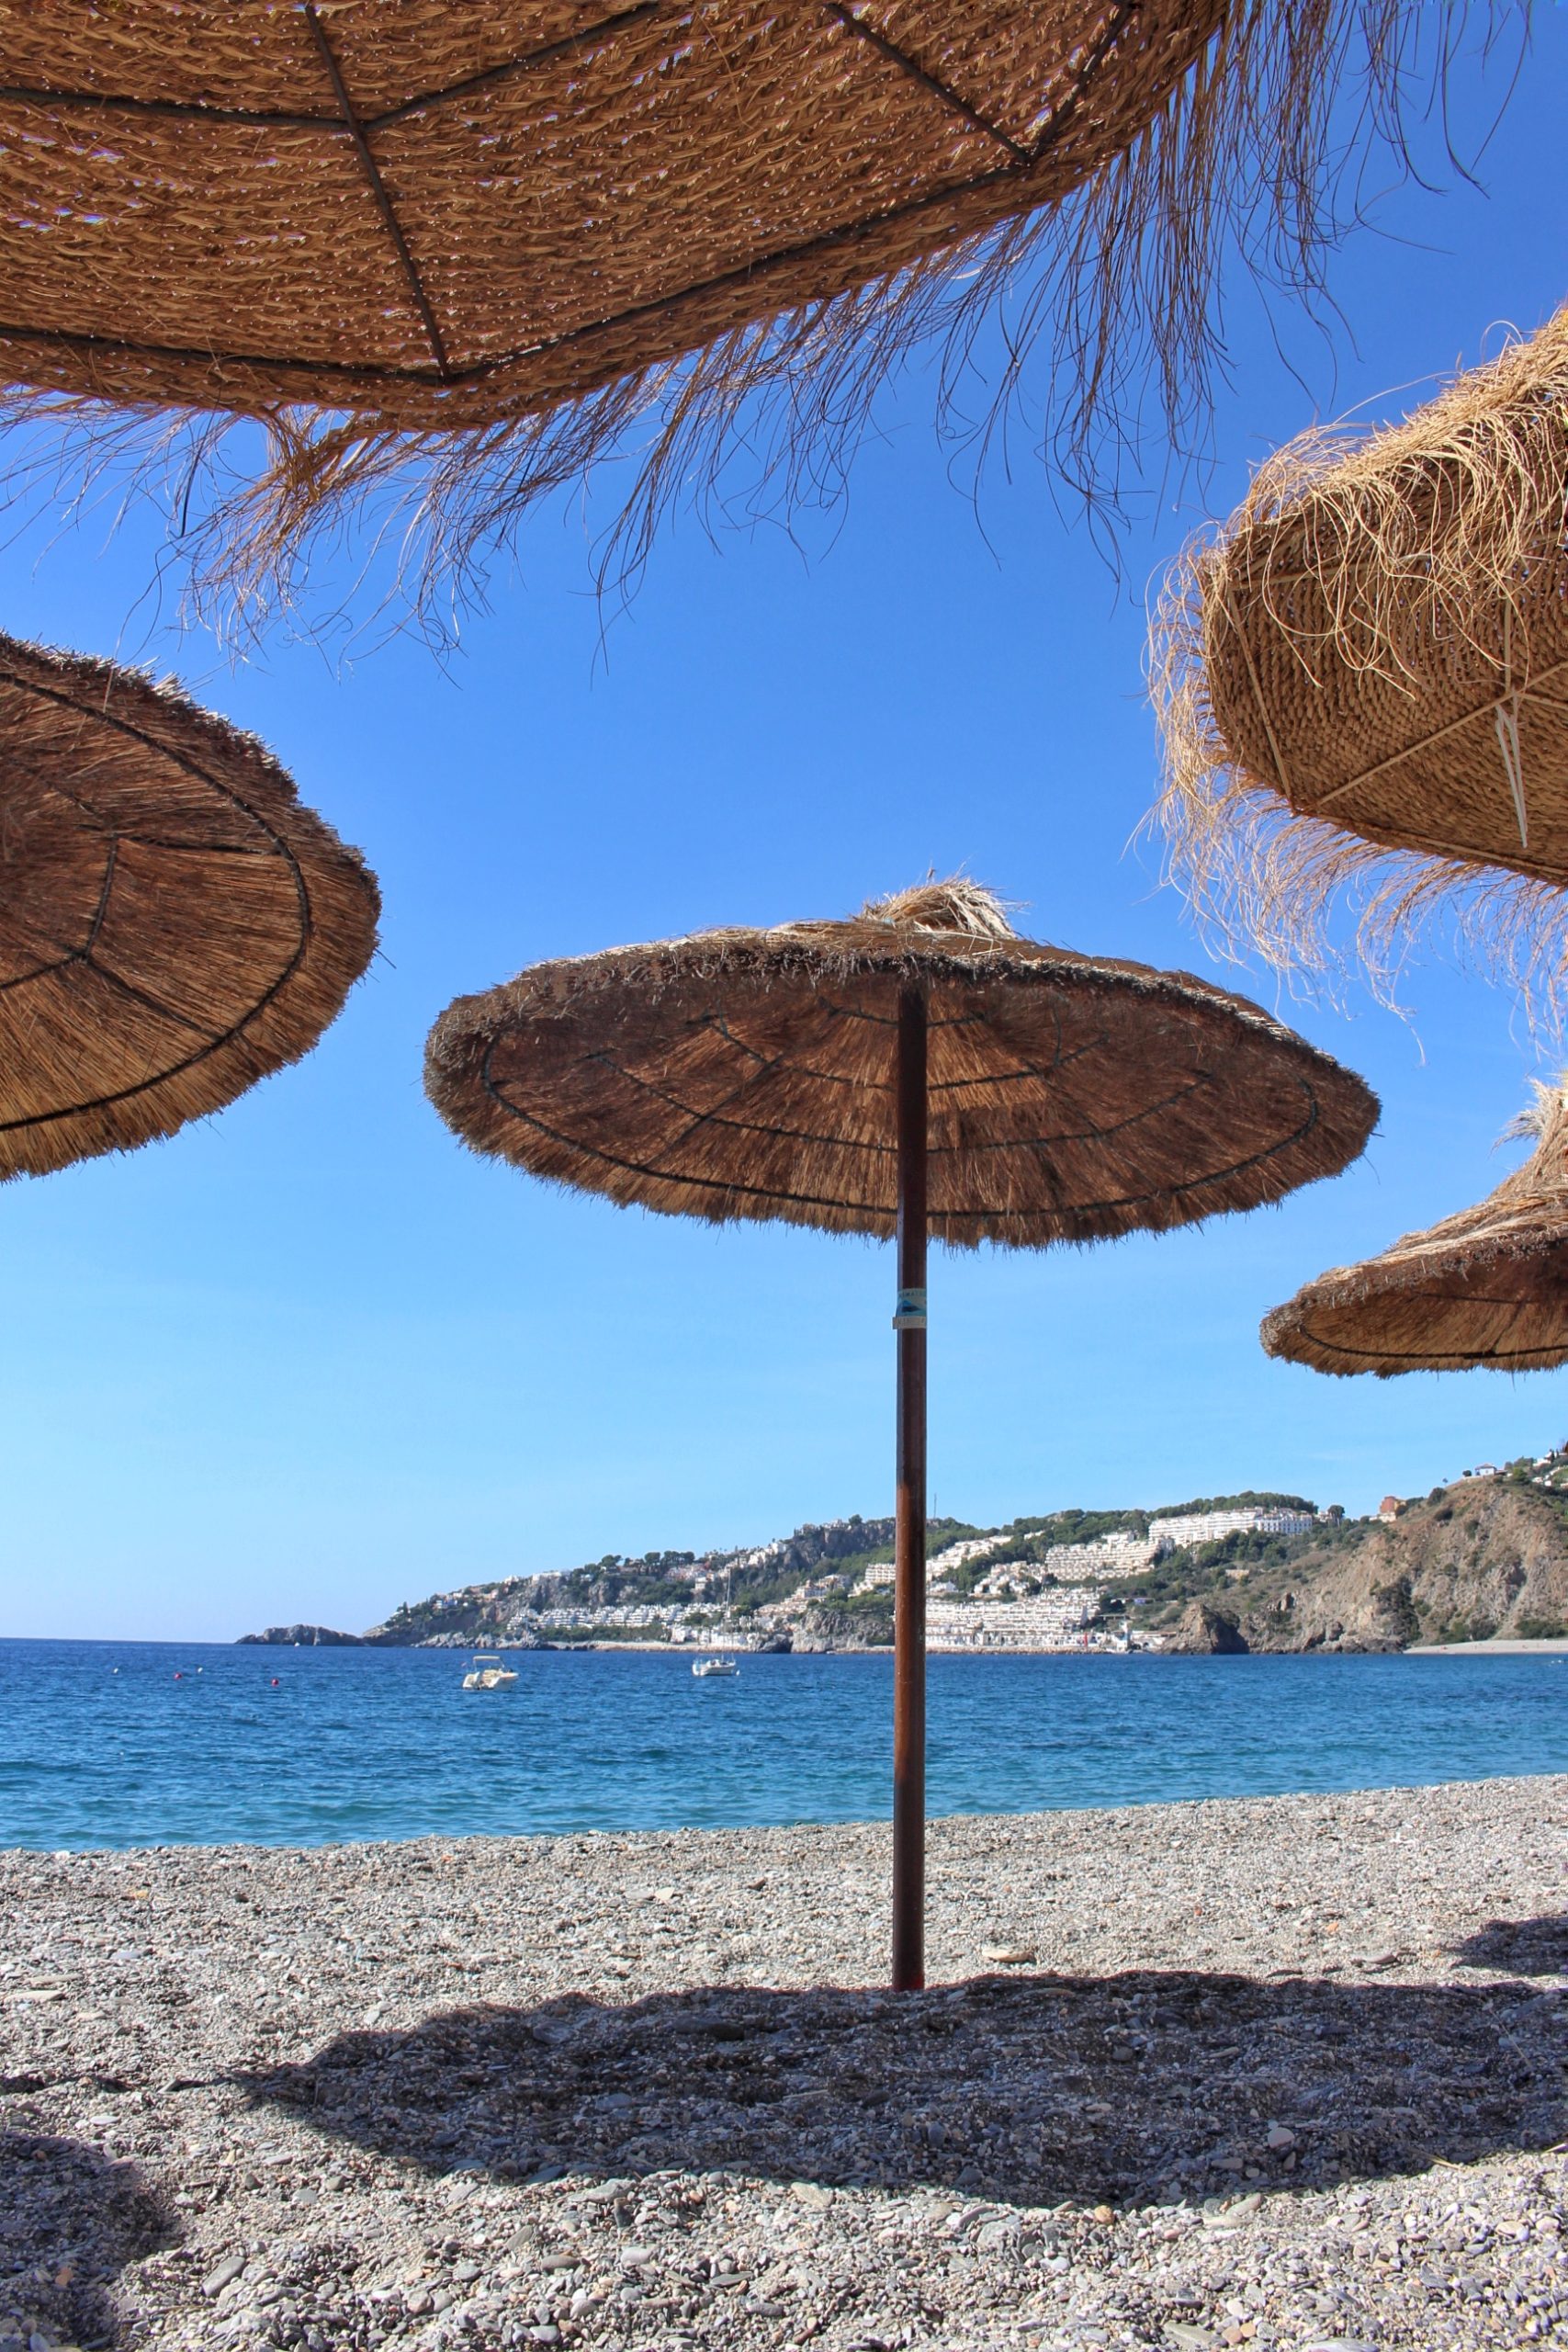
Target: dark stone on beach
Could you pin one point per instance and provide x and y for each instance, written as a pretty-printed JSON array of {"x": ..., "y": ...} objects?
[{"x": 300, "y": 1637}]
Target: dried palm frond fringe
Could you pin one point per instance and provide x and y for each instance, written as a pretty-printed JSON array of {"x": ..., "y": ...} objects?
[
  {"x": 748, "y": 1074},
  {"x": 675, "y": 282},
  {"x": 1362, "y": 683},
  {"x": 1486, "y": 1288}
]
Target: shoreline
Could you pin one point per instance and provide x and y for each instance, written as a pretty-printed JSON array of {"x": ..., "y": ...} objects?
[
  {"x": 1545, "y": 1647},
  {"x": 240, "y": 1850},
  {"x": 1551, "y": 1646},
  {"x": 1548, "y": 1647},
  {"x": 1225, "y": 2067}
]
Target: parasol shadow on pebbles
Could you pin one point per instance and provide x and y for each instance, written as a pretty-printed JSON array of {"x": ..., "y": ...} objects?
[
  {"x": 1486, "y": 1288},
  {"x": 1524, "y": 1947},
  {"x": 175, "y": 924},
  {"x": 1030, "y": 2089},
  {"x": 72, "y": 2217},
  {"x": 917, "y": 1070}
]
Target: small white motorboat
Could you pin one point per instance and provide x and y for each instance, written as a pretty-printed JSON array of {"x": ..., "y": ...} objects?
[
  {"x": 705, "y": 1667},
  {"x": 487, "y": 1673}
]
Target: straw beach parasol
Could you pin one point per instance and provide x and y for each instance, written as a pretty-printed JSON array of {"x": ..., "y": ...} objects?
[
  {"x": 1364, "y": 678},
  {"x": 919, "y": 1070},
  {"x": 484, "y": 241},
  {"x": 1488, "y": 1286},
  {"x": 174, "y": 924}
]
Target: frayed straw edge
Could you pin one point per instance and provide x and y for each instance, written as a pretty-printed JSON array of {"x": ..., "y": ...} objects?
[
  {"x": 1543, "y": 1122},
  {"x": 1122, "y": 297},
  {"x": 1261, "y": 879},
  {"x": 1421, "y": 530}
]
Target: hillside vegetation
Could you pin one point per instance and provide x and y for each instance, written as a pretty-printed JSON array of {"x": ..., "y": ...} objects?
[{"x": 1485, "y": 1558}]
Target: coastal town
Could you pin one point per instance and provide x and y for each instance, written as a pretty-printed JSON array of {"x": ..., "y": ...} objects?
[
  {"x": 1067, "y": 1581},
  {"x": 1480, "y": 1557}
]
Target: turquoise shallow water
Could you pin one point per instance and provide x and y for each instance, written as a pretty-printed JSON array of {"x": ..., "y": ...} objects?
[{"x": 139, "y": 1744}]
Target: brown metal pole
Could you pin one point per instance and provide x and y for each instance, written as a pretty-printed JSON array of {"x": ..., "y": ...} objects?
[{"x": 909, "y": 1540}]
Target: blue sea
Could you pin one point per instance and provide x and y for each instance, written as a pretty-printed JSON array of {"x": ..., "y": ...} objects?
[{"x": 145, "y": 1744}]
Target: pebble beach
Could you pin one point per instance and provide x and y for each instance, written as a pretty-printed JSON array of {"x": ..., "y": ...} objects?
[{"x": 1285, "y": 2073}]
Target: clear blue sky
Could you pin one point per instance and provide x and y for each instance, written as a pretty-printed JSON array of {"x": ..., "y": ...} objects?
[{"x": 311, "y": 1358}]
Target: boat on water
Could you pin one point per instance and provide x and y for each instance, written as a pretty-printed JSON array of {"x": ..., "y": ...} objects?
[
  {"x": 703, "y": 1667},
  {"x": 487, "y": 1673}
]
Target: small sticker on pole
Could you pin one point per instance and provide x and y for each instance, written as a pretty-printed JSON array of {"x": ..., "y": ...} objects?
[{"x": 910, "y": 1312}]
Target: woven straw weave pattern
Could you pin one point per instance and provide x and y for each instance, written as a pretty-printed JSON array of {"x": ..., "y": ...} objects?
[
  {"x": 455, "y": 215},
  {"x": 749, "y": 1074},
  {"x": 174, "y": 924}
]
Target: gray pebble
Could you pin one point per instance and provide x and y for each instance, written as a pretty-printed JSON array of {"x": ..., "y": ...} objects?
[{"x": 1194, "y": 2111}]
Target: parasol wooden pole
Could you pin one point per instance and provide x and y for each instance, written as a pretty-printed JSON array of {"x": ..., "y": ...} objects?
[{"x": 910, "y": 1539}]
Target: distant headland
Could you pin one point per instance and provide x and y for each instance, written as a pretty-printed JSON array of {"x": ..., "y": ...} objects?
[
  {"x": 1482, "y": 1558},
  {"x": 305, "y": 1637}
]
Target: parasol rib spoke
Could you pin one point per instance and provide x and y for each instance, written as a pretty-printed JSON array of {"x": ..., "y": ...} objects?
[
  {"x": 493, "y": 77},
  {"x": 666, "y": 305},
  {"x": 1426, "y": 743},
  {"x": 288, "y": 119},
  {"x": 696, "y": 1120},
  {"x": 106, "y": 889},
  {"x": 378, "y": 192},
  {"x": 940, "y": 89},
  {"x": 727, "y": 1187}
]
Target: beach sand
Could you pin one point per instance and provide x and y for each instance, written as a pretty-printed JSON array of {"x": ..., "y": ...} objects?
[{"x": 1280, "y": 2073}]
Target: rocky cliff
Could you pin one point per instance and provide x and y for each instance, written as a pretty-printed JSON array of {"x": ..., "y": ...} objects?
[{"x": 1487, "y": 1556}]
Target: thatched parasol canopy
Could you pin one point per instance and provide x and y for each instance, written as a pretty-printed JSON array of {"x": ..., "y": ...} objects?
[
  {"x": 1364, "y": 677},
  {"x": 174, "y": 924},
  {"x": 917, "y": 1070},
  {"x": 498, "y": 227},
  {"x": 1488, "y": 1286},
  {"x": 749, "y": 1074}
]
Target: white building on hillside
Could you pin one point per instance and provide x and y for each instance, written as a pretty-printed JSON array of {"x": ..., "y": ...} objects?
[
  {"x": 1212, "y": 1526},
  {"x": 971, "y": 1547},
  {"x": 1046, "y": 1621},
  {"x": 1119, "y": 1553}
]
